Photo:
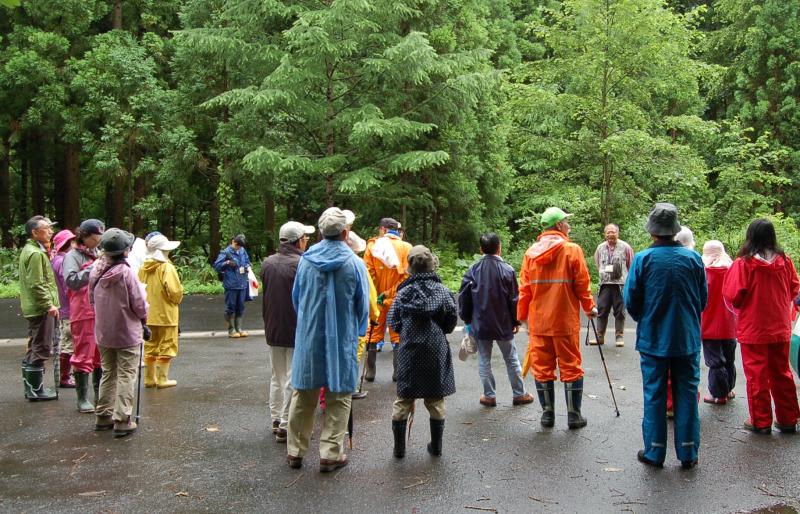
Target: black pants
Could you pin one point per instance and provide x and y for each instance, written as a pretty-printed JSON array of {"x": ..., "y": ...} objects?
[
  {"x": 720, "y": 357},
  {"x": 41, "y": 330},
  {"x": 610, "y": 296}
]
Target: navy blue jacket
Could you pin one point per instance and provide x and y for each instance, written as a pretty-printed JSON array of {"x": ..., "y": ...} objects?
[
  {"x": 666, "y": 293},
  {"x": 488, "y": 299},
  {"x": 231, "y": 276}
]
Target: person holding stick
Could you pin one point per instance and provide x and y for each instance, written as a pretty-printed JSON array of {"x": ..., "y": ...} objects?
[
  {"x": 120, "y": 326},
  {"x": 666, "y": 293}
]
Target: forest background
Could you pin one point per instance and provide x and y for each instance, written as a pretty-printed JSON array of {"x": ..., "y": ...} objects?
[{"x": 207, "y": 118}]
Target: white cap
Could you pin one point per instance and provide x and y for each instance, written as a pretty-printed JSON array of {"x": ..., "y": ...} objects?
[
  {"x": 160, "y": 242},
  {"x": 332, "y": 222},
  {"x": 355, "y": 243},
  {"x": 291, "y": 231},
  {"x": 349, "y": 217}
]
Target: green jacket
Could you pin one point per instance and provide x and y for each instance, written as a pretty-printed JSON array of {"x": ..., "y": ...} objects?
[{"x": 37, "y": 284}]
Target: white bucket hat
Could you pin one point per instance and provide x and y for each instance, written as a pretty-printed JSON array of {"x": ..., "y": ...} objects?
[{"x": 157, "y": 245}]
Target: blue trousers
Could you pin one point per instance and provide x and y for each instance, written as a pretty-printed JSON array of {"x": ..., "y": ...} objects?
[
  {"x": 234, "y": 301},
  {"x": 685, "y": 380}
]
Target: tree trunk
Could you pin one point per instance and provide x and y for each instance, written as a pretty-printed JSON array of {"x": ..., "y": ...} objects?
[
  {"x": 117, "y": 215},
  {"x": 269, "y": 220},
  {"x": 139, "y": 192},
  {"x": 213, "y": 219},
  {"x": 35, "y": 162},
  {"x": 330, "y": 148},
  {"x": 116, "y": 15},
  {"x": 6, "y": 222}
]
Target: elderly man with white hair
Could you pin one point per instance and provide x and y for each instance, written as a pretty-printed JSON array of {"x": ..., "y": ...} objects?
[{"x": 331, "y": 297}]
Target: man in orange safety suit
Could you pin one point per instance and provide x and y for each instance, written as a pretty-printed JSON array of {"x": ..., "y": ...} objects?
[
  {"x": 386, "y": 258},
  {"x": 554, "y": 283}
]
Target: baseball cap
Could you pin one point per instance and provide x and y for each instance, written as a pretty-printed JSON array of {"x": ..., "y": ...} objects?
[
  {"x": 390, "y": 223},
  {"x": 92, "y": 226},
  {"x": 553, "y": 215},
  {"x": 291, "y": 231},
  {"x": 115, "y": 241},
  {"x": 332, "y": 222}
]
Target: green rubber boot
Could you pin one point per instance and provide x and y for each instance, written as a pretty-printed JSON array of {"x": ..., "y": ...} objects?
[{"x": 82, "y": 392}]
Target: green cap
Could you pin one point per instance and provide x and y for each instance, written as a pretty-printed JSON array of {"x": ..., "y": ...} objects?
[{"x": 552, "y": 216}]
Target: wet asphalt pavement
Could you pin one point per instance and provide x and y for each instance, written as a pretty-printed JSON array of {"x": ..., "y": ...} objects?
[{"x": 204, "y": 446}]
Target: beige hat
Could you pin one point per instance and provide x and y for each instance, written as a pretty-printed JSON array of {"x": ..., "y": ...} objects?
[
  {"x": 349, "y": 217},
  {"x": 421, "y": 260},
  {"x": 355, "y": 242},
  {"x": 291, "y": 231},
  {"x": 332, "y": 222}
]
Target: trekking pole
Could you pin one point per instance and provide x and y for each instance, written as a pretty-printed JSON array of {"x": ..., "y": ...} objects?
[
  {"x": 139, "y": 380},
  {"x": 602, "y": 358}
]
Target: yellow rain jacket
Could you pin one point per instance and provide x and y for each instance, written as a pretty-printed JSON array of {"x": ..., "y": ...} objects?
[{"x": 164, "y": 292}]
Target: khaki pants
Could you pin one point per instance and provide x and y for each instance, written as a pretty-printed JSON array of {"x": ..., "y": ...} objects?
[
  {"x": 280, "y": 385},
  {"x": 402, "y": 408},
  {"x": 301, "y": 423},
  {"x": 163, "y": 343},
  {"x": 118, "y": 384},
  {"x": 65, "y": 338}
]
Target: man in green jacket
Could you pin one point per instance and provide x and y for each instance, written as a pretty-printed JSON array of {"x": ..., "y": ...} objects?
[{"x": 39, "y": 298}]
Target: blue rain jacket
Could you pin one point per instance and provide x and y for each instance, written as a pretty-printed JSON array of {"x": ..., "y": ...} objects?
[
  {"x": 331, "y": 297},
  {"x": 488, "y": 299},
  {"x": 666, "y": 293},
  {"x": 232, "y": 278}
]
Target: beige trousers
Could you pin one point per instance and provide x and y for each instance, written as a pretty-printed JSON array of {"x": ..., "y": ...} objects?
[
  {"x": 118, "y": 385},
  {"x": 65, "y": 337},
  {"x": 402, "y": 408},
  {"x": 280, "y": 385},
  {"x": 334, "y": 427}
]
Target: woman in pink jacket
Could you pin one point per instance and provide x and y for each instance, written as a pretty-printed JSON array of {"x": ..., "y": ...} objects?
[
  {"x": 120, "y": 316},
  {"x": 761, "y": 285}
]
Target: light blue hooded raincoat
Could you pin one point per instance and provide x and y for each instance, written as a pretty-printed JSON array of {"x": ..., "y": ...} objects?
[{"x": 331, "y": 297}]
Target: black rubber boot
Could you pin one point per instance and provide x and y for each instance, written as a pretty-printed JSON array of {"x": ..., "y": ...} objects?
[
  {"x": 82, "y": 392},
  {"x": 437, "y": 431},
  {"x": 372, "y": 354},
  {"x": 35, "y": 391},
  {"x": 574, "y": 393},
  {"x": 394, "y": 364},
  {"x": 399, "y": 431},
  {"x": 97, "y": 376},
  {"x": 547, "y": 399}
]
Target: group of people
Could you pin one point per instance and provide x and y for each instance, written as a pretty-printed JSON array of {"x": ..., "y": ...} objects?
[
  {"x": 90, "y": 304},
  {"x": 342, "y": 305}
]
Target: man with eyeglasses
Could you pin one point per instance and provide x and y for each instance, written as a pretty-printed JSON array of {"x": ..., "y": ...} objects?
[{"x": 39, "y": 301}]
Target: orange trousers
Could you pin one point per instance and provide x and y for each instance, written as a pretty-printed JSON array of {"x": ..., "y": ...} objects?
[
  {"x": 379, "y": 330},
  {"x": 546, "y": 353}
]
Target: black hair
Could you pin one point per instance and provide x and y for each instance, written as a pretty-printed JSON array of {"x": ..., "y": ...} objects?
[
  {"x": 335, "y": 237},
  {"x": 32, "y": 224},
  {"x": 760, "y": 236},
  {"x": 664, "y": 239},
  {"x": 490, "y": 243}
]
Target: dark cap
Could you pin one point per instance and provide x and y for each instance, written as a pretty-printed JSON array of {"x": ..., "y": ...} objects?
[
  {"x": 116, "y": 241},
  {"x": 663, "y": 220},
  {"x": 240, "y": 240},
  {"x": 390, "y": 223},
  {"x": 92, "y": 226}
]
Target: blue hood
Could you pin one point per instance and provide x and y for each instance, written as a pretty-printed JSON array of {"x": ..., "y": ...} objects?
[{"x": 328, "y": 255}]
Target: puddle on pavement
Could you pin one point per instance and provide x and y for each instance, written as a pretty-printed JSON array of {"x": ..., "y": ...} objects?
[{"x": 779, "y": 508}]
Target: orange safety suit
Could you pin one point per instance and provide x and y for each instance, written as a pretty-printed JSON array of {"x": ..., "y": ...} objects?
[
  {"x": 554, "y": 283},
  {"x": 386, "y": 280}
]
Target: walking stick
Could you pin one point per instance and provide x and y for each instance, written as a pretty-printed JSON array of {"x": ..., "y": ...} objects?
[
  {"x": 139, "y": 381},
  {"x": 602, "y": 358}
]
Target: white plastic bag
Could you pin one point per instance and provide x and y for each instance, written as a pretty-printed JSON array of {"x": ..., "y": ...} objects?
[{"x": 252, "y": 282}]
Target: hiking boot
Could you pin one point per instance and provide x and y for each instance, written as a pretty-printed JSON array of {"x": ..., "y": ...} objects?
[
  {"x": 525, "y": 399},
  {"x": 547, "y": 396},
  {"x": 786, "y": 429},
  {"x": 124, "y": 428},
  {"x": 619, "y": 342},
  {"x": 488, "y": 402},
  {"x": 275, "y": 424},
  {"x": 103, "y": 423},
  {"x": 748, "y": 425},
  {"x": 715, "y": 401},
  {"x": 359, "y": 395},
  {"x": 573, "y": 391},
  {"x": 82, "y": 392},
  {"x": 294, "y": 462},
  {"x": 399, "y": 431},
  {"x": 437, "y": 432},
  {"x": 281, "y": 435},
  {"x": 688, "y": 464},
  {"x": 328, "y": 465},
  {"x": 35, "y": 391},
  {"x": 644, "y": 460}
]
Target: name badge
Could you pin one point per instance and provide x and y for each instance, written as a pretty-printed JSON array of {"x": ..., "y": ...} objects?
[
  {"x": 241, "y": 270},
  {"x": 609, "y": 268}
]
